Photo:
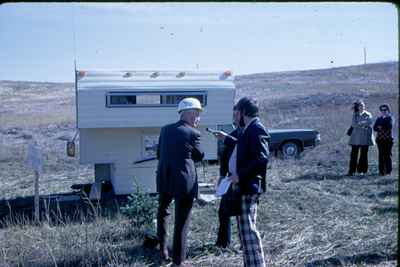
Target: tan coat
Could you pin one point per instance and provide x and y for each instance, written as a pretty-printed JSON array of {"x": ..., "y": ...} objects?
[{"x": 362, "y": 130}]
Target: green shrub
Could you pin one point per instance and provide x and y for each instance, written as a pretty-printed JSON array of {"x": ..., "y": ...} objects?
[{"x": 141, "y": 208}]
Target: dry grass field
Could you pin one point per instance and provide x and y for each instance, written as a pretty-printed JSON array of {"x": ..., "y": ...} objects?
[{"x": 311, "y": 215}]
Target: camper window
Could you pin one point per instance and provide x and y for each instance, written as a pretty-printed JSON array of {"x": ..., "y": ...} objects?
[
  {"x": 122, "y": 100},
  {"x": 148, "y": 99},
  {"x": 153, "y": 99},
  {"x": 175, "y": 99}
]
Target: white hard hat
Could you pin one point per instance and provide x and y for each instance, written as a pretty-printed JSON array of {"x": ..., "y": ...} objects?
[{"x": 189, "y": 103}]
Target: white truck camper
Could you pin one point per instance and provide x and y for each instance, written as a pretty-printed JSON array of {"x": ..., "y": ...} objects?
[{"x": 120, "y": 113}]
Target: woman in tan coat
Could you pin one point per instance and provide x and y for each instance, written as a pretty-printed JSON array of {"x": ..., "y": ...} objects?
[{"x": 360, "y": 139}]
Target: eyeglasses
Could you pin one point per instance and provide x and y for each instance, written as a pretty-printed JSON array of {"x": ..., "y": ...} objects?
[{"x": 384, "y": 109}]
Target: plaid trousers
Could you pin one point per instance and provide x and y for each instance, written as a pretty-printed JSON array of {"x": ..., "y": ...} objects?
[{"x": 253, "y": 254}]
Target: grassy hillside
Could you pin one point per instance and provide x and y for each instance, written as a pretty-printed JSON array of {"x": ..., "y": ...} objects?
[
  {"x": 311, "y": 215},
  {"x": 358, "y": 80}
]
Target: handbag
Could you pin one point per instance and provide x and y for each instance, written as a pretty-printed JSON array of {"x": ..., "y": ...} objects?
[{"x": 349, "y": 131}]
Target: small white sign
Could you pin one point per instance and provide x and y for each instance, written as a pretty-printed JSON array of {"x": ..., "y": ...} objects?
[
  {"x": 34, "y": 157},
  {"x": 150, "y": 143}
]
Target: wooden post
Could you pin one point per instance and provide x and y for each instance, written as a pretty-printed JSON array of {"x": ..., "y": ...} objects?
[{"x": 37, "y": 215}]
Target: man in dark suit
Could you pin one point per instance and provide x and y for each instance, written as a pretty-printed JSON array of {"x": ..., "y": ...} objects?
[
  {"x": 224, "y": 230},
  {"x": 250, "y": 157},
  {"x": 178, "y": 150}
]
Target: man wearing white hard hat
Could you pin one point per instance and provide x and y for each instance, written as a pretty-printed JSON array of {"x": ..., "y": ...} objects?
[{"x": 178, "y": 150}]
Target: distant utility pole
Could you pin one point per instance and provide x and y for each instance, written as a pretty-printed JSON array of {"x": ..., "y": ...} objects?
[{"x": 365, "y": 55}]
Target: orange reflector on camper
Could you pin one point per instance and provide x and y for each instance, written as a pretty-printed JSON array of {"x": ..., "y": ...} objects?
[
  {"x": 81, "y": 74},
  {"x": 227, "y": 73}
]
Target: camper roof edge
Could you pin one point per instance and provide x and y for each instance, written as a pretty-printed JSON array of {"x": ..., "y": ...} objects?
[{"x": 153, "y": 75}]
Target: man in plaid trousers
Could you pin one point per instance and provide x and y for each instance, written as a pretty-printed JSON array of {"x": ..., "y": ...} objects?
[{"x": 250, "y": 157}]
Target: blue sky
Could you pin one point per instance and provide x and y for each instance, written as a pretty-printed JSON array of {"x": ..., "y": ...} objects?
[{"x": 37, "y": 38}]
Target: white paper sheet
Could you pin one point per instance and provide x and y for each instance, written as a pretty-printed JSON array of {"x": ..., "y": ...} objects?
[{"x": 223, "y": 187}]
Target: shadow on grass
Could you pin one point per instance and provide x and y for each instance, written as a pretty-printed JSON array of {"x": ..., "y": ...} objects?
[
  {"x": 129, "y": 256},
  {"x": 72, "y": 261},
  {"x": 151, "y": 257},
  {"x": 322, "y": 177},
  {"x": 387, "y": 181},
  {"x": 386, "y": 209},
  {"x": 209, "y": 249},
  {"x": 388, "y": 193},
  {"x": 314, "y": 176},
  {"x": 56, "y": 208},
  {"x": 135, "y": 256},
  {"x": 364, "y": 258},
  {"x": 146, "y": 255}
]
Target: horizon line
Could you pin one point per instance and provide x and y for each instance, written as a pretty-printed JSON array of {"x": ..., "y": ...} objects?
[{"x": 245, "y": 74}]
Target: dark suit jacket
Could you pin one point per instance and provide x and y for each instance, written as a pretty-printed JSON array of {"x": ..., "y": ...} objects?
[
  {"x": 178, "y": 150},
  {"x": 252, "y": 158}
]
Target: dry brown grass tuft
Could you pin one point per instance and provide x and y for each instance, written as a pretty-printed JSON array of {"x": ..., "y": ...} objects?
[{"x": 102, "y": 242}]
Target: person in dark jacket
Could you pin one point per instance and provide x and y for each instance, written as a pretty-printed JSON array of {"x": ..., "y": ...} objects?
[
  {"x": 383, "y": 127},
  {"x": 178, "y": 150},
  {"x": 224, "y": 230},
  {"x": 250, "y": 156}
]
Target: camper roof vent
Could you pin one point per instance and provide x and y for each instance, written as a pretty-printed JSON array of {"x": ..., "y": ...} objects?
[
  {"x": 180, "y": 74},
  {"x": 155, "y": 74},
  {"x": 151, "y": 75},
  {"x": 128, "y": 74}
]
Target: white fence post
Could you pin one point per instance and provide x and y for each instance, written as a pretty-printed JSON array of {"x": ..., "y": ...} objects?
[{"x": 34, "y": 160}]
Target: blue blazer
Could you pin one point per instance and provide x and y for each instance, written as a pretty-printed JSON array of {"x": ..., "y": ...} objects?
[{"x": 252, "y": 158}]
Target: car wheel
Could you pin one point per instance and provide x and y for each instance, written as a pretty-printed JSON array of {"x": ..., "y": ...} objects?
[{"x": 290, "y": 150}]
